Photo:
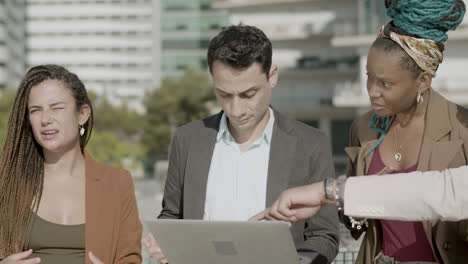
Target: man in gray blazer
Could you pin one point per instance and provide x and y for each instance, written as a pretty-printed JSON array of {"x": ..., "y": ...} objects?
[{"x": 234, "y": 164}]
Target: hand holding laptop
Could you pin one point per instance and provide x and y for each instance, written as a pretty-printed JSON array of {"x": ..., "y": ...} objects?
[{"x": 153, "y": 248}]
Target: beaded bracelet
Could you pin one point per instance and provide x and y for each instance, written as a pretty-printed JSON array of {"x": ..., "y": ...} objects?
[{"x": 358, "y": 224}]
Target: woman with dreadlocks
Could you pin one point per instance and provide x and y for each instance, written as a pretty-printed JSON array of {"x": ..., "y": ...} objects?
[
  {"x": 411, "y": 128},
  {"x": 57, "y": 205}
]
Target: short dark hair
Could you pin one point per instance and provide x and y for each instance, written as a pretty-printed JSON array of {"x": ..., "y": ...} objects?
[{"x": 239, "y": 47}]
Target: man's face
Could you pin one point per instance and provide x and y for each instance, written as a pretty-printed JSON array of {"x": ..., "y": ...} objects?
[{"x": 243, "y": 94}]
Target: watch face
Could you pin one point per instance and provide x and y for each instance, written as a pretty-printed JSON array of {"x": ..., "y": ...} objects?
[
  {"x": 339, "y": 191},
  {"x": 330, "y": 189}
]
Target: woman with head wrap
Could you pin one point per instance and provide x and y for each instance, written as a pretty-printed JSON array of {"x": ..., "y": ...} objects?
[{"x": 410, "y": 128}]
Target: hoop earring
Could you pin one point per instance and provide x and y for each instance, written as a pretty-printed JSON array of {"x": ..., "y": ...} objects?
[
  {"x": 420, "y": 98},
  {"x": 82, "y": 130}
]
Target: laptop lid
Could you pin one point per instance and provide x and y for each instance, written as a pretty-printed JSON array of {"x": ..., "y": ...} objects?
[{"x": 226, "y": 242}]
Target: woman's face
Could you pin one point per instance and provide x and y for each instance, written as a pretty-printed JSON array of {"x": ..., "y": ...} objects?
[
  {"x": 54, "y": 117},
  {"x": 392, "y": 88}
]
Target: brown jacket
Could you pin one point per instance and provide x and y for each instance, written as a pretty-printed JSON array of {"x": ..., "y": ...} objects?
[
  {"x": 113, "y": 229},
  {"x": 445, "y": 145}
]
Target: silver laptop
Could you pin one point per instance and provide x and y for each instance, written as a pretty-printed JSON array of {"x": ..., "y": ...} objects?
[{"x": 224, "y": 242}]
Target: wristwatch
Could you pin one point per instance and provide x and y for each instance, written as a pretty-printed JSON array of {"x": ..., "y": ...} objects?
[
  {"x": 340, "y": 187},
  {"x": 334, "y": 191},
  {"x": 330, "y": 189}
]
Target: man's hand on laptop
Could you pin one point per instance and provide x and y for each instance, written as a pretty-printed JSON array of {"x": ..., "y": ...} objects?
[
  {"x": 294, "y": 204},
  {"x": 153, "y": 248}
]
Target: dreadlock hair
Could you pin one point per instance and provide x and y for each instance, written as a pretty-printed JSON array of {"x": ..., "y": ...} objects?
[
  {"x": 429, "y": 19},
  {"x": 22, "y": 159}
]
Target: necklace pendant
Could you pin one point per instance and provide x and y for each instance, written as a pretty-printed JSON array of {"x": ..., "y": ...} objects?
[{"x": 398, "y": 156}]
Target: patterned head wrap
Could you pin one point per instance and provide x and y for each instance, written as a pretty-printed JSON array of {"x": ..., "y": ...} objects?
[{"x": 424, "y": 52}]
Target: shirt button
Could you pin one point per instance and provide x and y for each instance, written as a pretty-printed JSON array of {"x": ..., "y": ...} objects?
[{"x": 447, "y": 245}]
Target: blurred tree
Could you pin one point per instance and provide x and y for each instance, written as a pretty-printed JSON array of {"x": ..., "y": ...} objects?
[
  {"x": 7, "y": 98},
  {"x": 116, "y": 134},
  {"x": 175, "y": 103},
  {"x": 106, "y": 147},
  {"x": 126, "y": 122}
]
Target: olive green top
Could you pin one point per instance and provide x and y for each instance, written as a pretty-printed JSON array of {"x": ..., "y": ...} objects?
[{"x": 55, "y": 243}]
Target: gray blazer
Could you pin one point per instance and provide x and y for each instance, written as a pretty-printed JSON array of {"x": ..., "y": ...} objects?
[{"x": 299, "y": 155}]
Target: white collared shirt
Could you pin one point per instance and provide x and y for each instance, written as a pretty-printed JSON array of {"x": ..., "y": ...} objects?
[{"x": 237, "y": 180}]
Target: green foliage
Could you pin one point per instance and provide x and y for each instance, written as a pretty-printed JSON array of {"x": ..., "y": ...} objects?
[
  {"x": 121, "y": 119},
  {"x": 115, "y": 139},
  {"x": 7, "y": 98},
  {"x": 176, "y": 102},
  {"x": 106, "y": 147}
]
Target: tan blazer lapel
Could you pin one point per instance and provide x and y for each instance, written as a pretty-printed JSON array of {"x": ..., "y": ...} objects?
[
  {"x": 424, "y": 161},
  {"x": 361, "y": 156},
  {"x": 444, "y": 153},
  {"x": 366, "y": 155},
  {"x": 352, "y": 153},
  {"x": 437, "y": 153},
  {"x": 99, "y": 218},
  {"x": 437, "y": 122},
  {"x": 437, "y": 156},
  {"x": 437, "y": 127},
  {"x": 366, "y": 138}
]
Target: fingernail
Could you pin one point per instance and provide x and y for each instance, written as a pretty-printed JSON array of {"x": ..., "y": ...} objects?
[{"x": 38, "y": 260}]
